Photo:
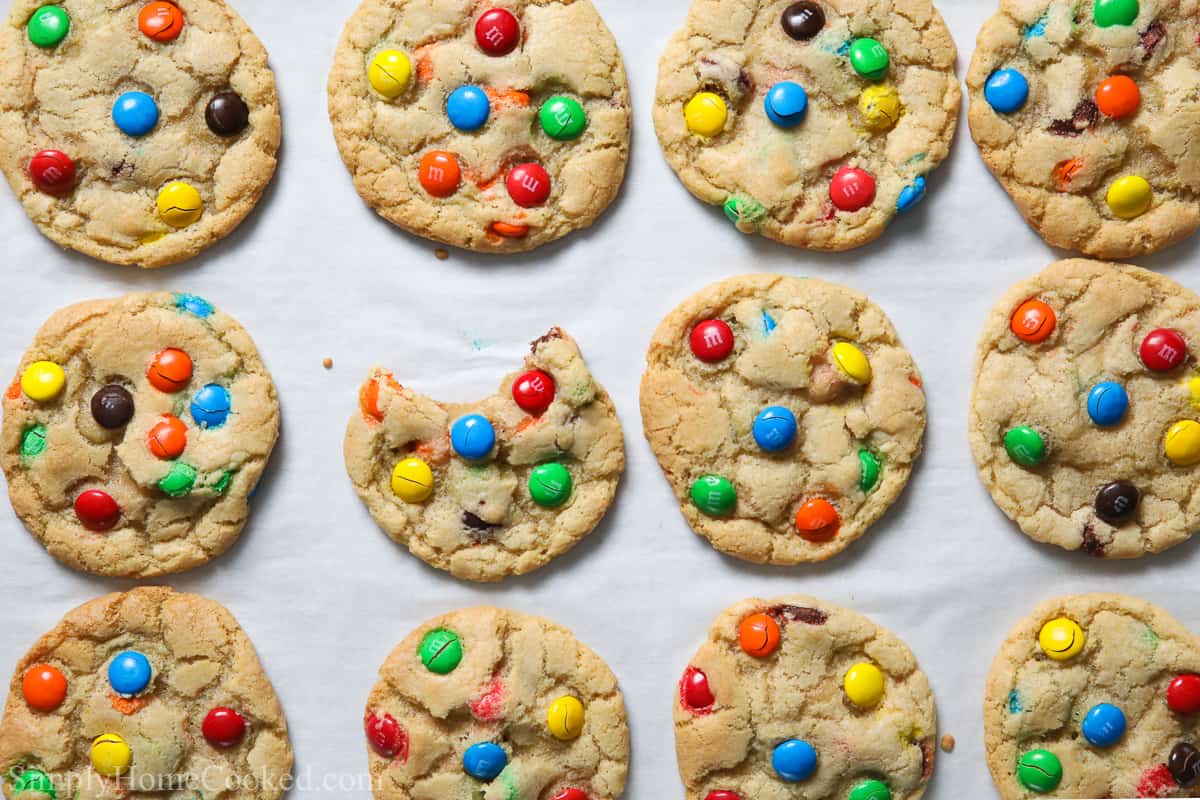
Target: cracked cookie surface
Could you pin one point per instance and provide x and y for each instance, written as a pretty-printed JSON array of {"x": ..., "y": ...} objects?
[
  {"x": 820, "y": 354},
  {"x": 773, "y": 672},
  {"x": 1090, "y": 328},
  {"x": 124, "y": 203},
  {"x": 1065, "y": 149},
  {"x": 1127, "y": 654},
  {"x": 472, "y": 196},
  {"x": 135, "y": 431},
  {"x": 543, "y": 481},
  {"x": 64, "y": 695},
  {"x": 491, "y": 679},
  {"x": 779, "y": 179}
]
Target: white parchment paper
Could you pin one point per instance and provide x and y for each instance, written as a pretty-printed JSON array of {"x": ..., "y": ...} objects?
[{"x": 314, "y": 274}]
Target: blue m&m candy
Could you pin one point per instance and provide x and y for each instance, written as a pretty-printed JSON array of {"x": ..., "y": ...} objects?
[
  {"x": 135, "y": 113},
  {"x": 485, "y": 760},
  {"x": 786, "y": 103},
  {"x": 774, "y": 428},
  {"x": 468, "y": 108},
  {"x": 1107, "y": 403},
  {"x": 129, "y": 673},
  {"x": 1104, "y": 725},
  {"x": 794, "y": 760},
  {"x": 472, "y": 436},
  {"x": 911, "y": 195},
  {"x": 210, "y": 406},
  {"x": 1006, "y": 90},
  {"x": 193, "y": 304}
]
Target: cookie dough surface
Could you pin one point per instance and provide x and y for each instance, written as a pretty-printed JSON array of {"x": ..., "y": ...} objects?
[
  {"x": 481, "y": 521},
  {"x": 200, "y": 660},
  {"x": 564, "y": 50},
  {"x": 1103, "y": 314},
  {"x": 487, "y": 675},
  {"x": 726, "y": 734},
  {"x": 61, "y": 98},
  {"x": 777, "y": 180},
  {"x": 856, "y": 440},
  {"x": 1131, "y": 653},
  {"x": 173, "y": 510},
  {"x": 1059, "y": 154}
]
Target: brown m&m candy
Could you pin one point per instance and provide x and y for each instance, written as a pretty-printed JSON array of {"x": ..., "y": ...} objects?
[
  {"x": 1184, "y": 764},
  {"x": 227, "y": 114},
  {"x": 112, "y": 406},
  {"x": 802, "y": 21},
  {"x": 1117, "y": 502}
]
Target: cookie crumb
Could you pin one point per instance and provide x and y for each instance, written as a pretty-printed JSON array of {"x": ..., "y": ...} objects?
[
  {"x": 441, "y": 253},
  {"x": 327, "y": 363},
  {"x": 947, "y": 743}
]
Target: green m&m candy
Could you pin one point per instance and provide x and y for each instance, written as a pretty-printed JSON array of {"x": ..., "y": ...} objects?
[
  {"x": 1025, "y": 446},
  {"x": 179, "y": 480},
  {"x": 562, "y": 118},
  {"x": 33, "y": 441},
  {"x": 48, "y": 26},
  {"x": 1114, "y": 12},
  {"x": 34, "y": 780},
  {"x": 744, "y": 212},
  {"x": 1039, "y": 770},
  {"x": 714, "y": 495},
  {"x": 870, "y": 790},
  {"x": 869, "y": 58},
  {"x": 869, "y": 469},
  {"x": 550, "y": 484},
  {"x": 441, "y": 651}
]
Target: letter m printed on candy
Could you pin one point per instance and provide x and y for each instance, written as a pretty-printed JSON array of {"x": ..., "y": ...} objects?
[{"x": 494, "y": 36}]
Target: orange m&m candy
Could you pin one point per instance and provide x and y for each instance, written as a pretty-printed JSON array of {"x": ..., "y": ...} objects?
[
  {"x": 167, "y": 438},
  {"x": 1118, "y": 97},
  {"x": 161, "y": 21},
  {"x": 44, "y": 687},
  {"x": 758, "y": 635},
  {"x": 1033, "y": 321},
  {"x": 439, "y": 173},
  {"x": 170, "y": 370},
  {"x": 817, "y": 520}
]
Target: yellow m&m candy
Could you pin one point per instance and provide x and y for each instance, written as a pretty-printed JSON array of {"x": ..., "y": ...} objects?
[
  {"x": 879, "y": 107},
  {"x": 565, "y": 718},
  {"x": 1182, "y": 443},
  {"x": 864, "y": 684},
  {"x": 179, "y": 204},
  {"x": 851, "y": 361},
  {"x": 111, "y": 757},
  {"x": 412, "y": 480},
  {"x": 42, "y": 381},
  {"x": 1062, "y": 639},
  {"x": 390, "y": 73},
  {"x": 1130, "y": 196},
  {"x": 706, "y": 114}
]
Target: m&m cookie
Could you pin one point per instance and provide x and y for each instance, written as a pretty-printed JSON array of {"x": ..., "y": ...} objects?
[
  {"x": 795, "y": 697},
  {"x": 785, "y": 413},
  {"x": 1095, "y": 695},
  {"x": 1085, "y": 415},
  {"x": 813, "y": 123},
  {"x": 136, "y": 131},
  {"x": 495, "y": 127},
  {"x": 134, "y": 432},
  {"x": 1081, "y": 110},
  {"x": 485, "y": 702},
  {"x": 144, "y": 693},
  {"x": 497, "y": 487}
]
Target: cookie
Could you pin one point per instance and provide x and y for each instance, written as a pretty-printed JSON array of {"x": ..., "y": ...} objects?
[
  {"x": 492, "y": 704},
  {"x": 785, "y": 413},
  {"x": 151, "y": 692},
  {"x": 1095, "y": 695},
  {"x": 1085, "y": 415},
  {"x": 495, "y": 129},
  {"x": 811, "y": 123},
  {"x": 137, "y": 133},
  {"x": 493, "y": 488},
  {"x": 135, "y": 432},
  {"x": 1085, "y": 112},
  {"x": 795, "y": 697}
]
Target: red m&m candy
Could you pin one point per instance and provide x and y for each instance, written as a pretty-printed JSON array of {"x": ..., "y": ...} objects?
[
  {"x": 223, "y": 727},
  {"x": 528, "y": 185},
  {"x": 571, "y": 793},
  {"x": 386, "y": 736},
  {"x": 96, "y": 510},
  {"x": 1163, "y": 349},
  {"x": 852, "y": 189},
  {"x": 52, "y": 171},
  {"x": 722, "y": 794},
  {"x": 167, "y": 438},
  {"x": 694, "y": 691},
  {"x": 1183, "y": 694},
  {"x": 44, "y": 687},
  {"x": 711, "y": 340},
  {"x": 170, "y": 370},
  {"x": 439, "y": 173},
  {"x": 533, "y": 391},
  {"x": 497, "y": 32}
]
